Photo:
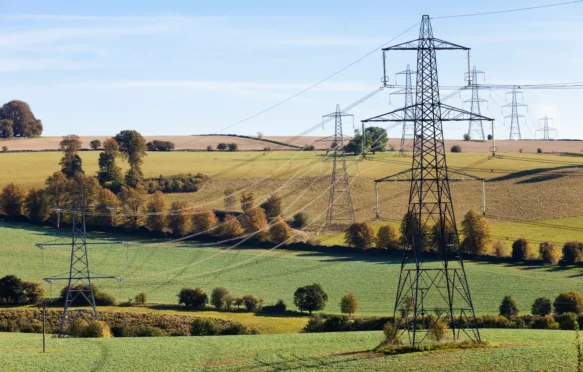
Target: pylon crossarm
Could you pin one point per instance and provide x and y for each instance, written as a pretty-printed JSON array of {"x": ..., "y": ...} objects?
[
  {"x": 448, "y": 113},
  {"x": 421, "y": 44}
]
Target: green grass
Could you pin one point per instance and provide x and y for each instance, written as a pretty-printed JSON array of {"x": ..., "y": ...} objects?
[
  {"x": 161, "y": 272},
  {"x": 513, "y": 350},
  {"x": 31, "y": 169}
]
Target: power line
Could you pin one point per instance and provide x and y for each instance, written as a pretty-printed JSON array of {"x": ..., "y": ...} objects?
[{"x": 509, "y": 10}]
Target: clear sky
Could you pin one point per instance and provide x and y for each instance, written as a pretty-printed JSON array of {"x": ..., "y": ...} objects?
[{"x": 189, "y": 67}]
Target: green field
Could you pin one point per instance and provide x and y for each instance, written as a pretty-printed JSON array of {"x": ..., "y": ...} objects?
[
  {"x": 512, "y": 350},
  {"x": 161, "y": 271}
]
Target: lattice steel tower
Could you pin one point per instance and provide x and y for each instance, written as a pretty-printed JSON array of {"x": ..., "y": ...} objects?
[
  {"x": 429, "y": 286},
  {"x": 408, "y": 130},
  {"x": 339, "y": 172},
  {"x": 546, "y": 129},
  {"x": 475, "y": 127},
  {"x": 514, "y": 115}
]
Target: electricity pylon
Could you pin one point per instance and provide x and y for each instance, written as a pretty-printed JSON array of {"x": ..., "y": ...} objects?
[
  {"x": 339, "y": 172},
  {"x": 475, "y": 126},
  {"x": 514, "y": 115},
  {"x": 546, "y": 129},
  {"x": 408, "y": 129},
  {"x": 437, "y": 286}
]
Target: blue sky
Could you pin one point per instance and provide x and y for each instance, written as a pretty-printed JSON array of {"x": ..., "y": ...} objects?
[{"x": 188, "y": 67}]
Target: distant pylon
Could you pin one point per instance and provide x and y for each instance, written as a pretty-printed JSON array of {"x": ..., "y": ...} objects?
[
  {"x": 475, "y": 127},
  {"x": 546, "y": 129},
  {"x": 339, "y": 172},
  {"x": 408, "y": 126},
  {"x": 514, "y": 116}
]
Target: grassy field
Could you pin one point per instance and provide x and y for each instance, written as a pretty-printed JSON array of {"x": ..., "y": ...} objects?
[
  {"x": 512, "y": 350},
  {"x": 161, "y": 271}
]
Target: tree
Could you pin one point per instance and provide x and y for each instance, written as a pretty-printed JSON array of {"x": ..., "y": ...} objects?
[
  {"x": 349, "y": 304},
  {"x": 12, "y": 200},
  {"x": 572, "y": 252},
  {"x": 477, "y": 232},
  {"x": 279, "y": 232},
  {"x": 360, "y": 235},
  {"x": 549, "y": 253},
  {"x": 133, "y": 148},
  {"x": 253, "y": 219},
  {"x": 251, "y": 303},
  {"x": 157, "y": 145},
  {"x": 95, "y": 144},
  {"x": 490, "y": 137},
  {"x": 467, "y": 137},
  {"x": 6, "y": 128},
  {"x": 204, "y": 221},
  {"x": 233, "y": 147},
  {"x": 24, "y": 122},
  {"x": 15, "y": 291},
  {"x": 541, "y": 306},
  {"x": 310, "y": 298},
  {"x": 456, "y": 148},
  {"x": 229, "y": 199},
  {"x": 355, "y": 144},
  {"x": 272, "y": 206},
  {"x": 57, "y": 189},
  {"x": 445, "y": 240},
  {"x": 83, "y": 190},
  {"x": 106, "y": 205},
  {"x": 508, "y": 307},
  {"x": 195, "y": 298},
  {"x": 409, "y": 230},
  {"x": 132, "y": 203},
  {"x": 179, "y": 221},
  {"x": 521, "y": 250},
  {"x": 218, "y": 297},
  {"x": 37, "y": 205},
  {"x": 231, "y": 227},
  {"x": 378, "y": 138},
  {"x": 568, "y": 302},
  {"x": 71, "y": 162},
  {"x": 300, "y": 220},
  {"x": 108, "y": 171},
  {"x": 387, "y": 237},
  {"x": 157, "y": 208},
  {"x": 222, "y": 146}
]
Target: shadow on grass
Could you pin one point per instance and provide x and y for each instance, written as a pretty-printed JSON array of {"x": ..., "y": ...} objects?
[{"x": 532, "y": 172}]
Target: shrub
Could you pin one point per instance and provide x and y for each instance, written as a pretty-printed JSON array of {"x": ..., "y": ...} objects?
[
  {"x": 209, "y": 148},
  {"x": 349, "y": 304},
  {"x": 360, "y": 235},
  {"x": 4, "y": 148},
  {"x": 309, "y": 148},
  {"x": 438, "y": 330},
  {"x": 204, "y": 327},
  {"x": 549, "y": 253},
  {"x": 568, "y": 302},
  {"x": 272, "y": 206},
  {"x": 467, "y": 137},
  {"x": 490, "y": 137},
  {"x": 300, "y": 220},
  {"x": 392, "y": 334},
  {"x": 541, "y": 306},
  {"x": 315, "y": 324},
  {"x": 477, "y": 233},
  {"x": 310, "y": 298},
  {"x": 192, "y": 297},
  {"x": 254, "y": 221},
  {"x": 218, "y": 296},
  {"x": 252, "y": 303},
  {"x": 204, "y": 221},
  {"x": 501, "y": 250},
  {"x": 521, "y": 250},
  {"x": 567, "y": 321},
  {"x": 238, "y": 301},
  {"x": 539, "y": 151},
  {"x": 78, "y": 328},
  {"x": 95, "y": 144},
  {"x": 97, "y": 329},
  {"x": 387, "y": 237},
  {"x": 15, "y": 291},
  {"x": 233, "y": 147},
  {"x": 280, "y": 232},
  {"x": 544, "y": 322},
  {"x": 231, "y": 227},
  {"x": 222, "y": 146},
  {"x": 12, "y": 200},
  {"x": 456, "y": 148},
  {"x": 279, "y": 308},
  {"x": 157, "y": 145},
  {"x": 140, "y": 298},
  {"x": 520, "y": 150},
  {"x": 572, "y": 252},
  {"x": 508, "y": 307},
  {"x": 141, "y": 331},
  {"x": 101, "y": 298}
]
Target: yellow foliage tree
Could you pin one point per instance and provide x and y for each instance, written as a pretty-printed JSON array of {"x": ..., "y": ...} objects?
[
  {"x": 12, "y": 200},
  {"x": 204, "y": 221},
  {"x": 279, "y": 231},
  {"x": 157, "y": 208},
  {"x": 179, "y": 220},
  {"x": 387, "y": 237},
  {"x": 231, "y": 227},
  {"x": 477, "y": 234}
]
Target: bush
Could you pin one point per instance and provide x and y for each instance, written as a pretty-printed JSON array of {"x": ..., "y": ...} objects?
[
  {"x": 209, "y": 148},
  {"x": 101, "y": 298},
  {"x": 279, "y": 308},
  {"x": 315, "y": 324},
  {"x": 349, "y": 304},
  {"x": 572, "y": 252},
  {"x": 157, "y": 145},
  {"x": 567, "y": 321},
  {"x": 272, "y": 206},
  {"x": 549, "y": 253},
  {"x": 392, "y": 334},
  {"x": 539, "y": 151},
  {"x": 4, "y": 148},
  {"x": 252, "y": 303},
  {"x": 438, "y": 330},
  {"x": 467, "y": 137},
  {"x": 300, "y": 220},
  {"x": 140, "y": 298},
  {"x": 521, "y": 250},
  {"x": 541, "y": 306},
  {"x": 231, "y": 227},
  {"x": 310, "y": 298},
  {"x": 12, "y": 200},
  {"x": 387, "y": 238},
  {"x": 490, "y": 137},
  {"x": 544, "y": 322},
  {"x": 95, "y": 144},
  {"x": 222, "y": 146},
  {"x": 456, "y": 148},
  {"x": 78, "y": 328},
  {"x": 15, "y": 291},
  {"x": 568, "y": 302},
  {"x": 360, "y": 235},
  {"x": 233, "y": 147},
  {"x": 280, "y": 232},
  {"x": 204, "y": 327},
  {"x": 218, "y": 297},
  {"x": 195, "y": 298},
  {"x": 309, "y": 148},
  {"x": 508, "y": 307},
  {"x": 97, "y": 329},
  {"x": 500, "y": 250},
  {"x": 141, "y": 331}
]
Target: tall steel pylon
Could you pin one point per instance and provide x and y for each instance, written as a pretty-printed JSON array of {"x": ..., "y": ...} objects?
[
  {"x": 431, "y": 286},
  {"x": 408, "y": 128},
  {"x": 514, "y": 115},
  {"x": 339, "y": 172},
  {"x": 546, "y": 129},
  {"x": 475, "y": 127}
]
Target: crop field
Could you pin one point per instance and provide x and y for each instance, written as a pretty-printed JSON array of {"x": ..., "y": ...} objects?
[
  {"x": 512, "y": 350},
  {"x": 161, "y": 271}
]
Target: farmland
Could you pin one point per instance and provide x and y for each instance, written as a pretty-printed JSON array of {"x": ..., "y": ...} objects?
[{"x": 512, "y": 350}]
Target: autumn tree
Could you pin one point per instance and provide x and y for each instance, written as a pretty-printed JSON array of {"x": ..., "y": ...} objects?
[
  {"x": 203, "y": 221},
  {"x": 132, "y": 203},
  {"x": 109, "y": 172},
  {"x": 477, "y": 233},
  {"x": 349, "y": 304},
  {"x": 387, "y": 237},
  {"x": 12, "y": 200},
  {"x": 83, "y": 190},
  {"x": 57, "y": 189},
  {"x": 231, "y": 227},
  {"x": 279, "y": 232},
  {"x": 360, "y": 235},
  {"x": 24, "y": 123},
  {"x": 106, "y": 205},
  {"x": 156, "y": 209},
  {"x": 253, "y": 219},
  {"x": 229, "y": 199},
  {"x": 444, "y": 240},
  {"x": 410, "y": 227},
  {"x": 179, "y": 221},
  {"x": 37, "y": 205},
  {"x": 549, "y": 253},
  {"x": 71, "y": 162},
  {"x": 272, "y": 206},
  {"x": 133, "y": 148},
  {"x": 95, "y": 144}
]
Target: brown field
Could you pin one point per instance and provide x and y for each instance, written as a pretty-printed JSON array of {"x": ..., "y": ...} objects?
[{"x": 247, "y": 144}]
